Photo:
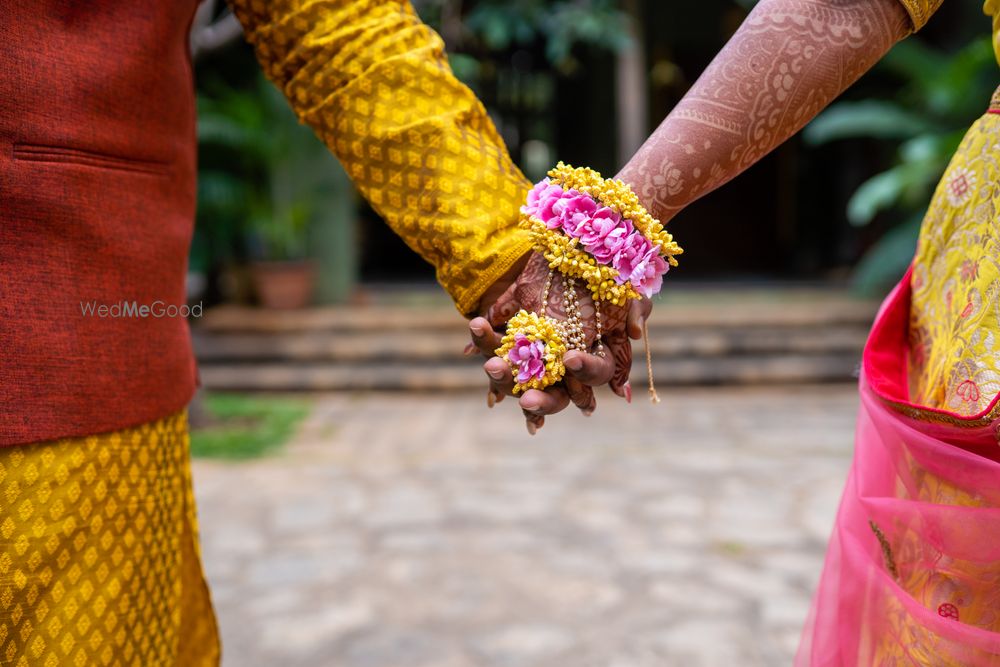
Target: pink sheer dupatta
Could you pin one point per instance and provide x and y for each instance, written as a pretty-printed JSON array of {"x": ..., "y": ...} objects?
[{"x": 912, "y": 573}]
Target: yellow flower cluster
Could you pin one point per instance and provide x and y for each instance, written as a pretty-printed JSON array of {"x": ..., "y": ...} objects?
[
  {"x": 540, "y": 328},
  {"x": 564, "y": 255},
  {"x": 618, "y": 196}
]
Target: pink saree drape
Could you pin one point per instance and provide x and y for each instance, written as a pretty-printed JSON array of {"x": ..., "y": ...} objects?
[{"x": 912, "y": 573}]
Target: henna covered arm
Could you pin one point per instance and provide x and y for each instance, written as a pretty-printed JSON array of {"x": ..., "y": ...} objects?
[{"x": 788, "y": 60}]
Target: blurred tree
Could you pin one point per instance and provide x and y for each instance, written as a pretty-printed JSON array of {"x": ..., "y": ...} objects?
[
  {"x": 522, "y": 58},
  {"x": 499, "y": 25},
  {"x": 266, "y": 186},
  {"x": 939, "y": 97},
  {"x": 513, "y": 53}
]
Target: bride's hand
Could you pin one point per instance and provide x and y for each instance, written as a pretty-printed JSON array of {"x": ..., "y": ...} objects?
[{"x": 522, "y": 288}]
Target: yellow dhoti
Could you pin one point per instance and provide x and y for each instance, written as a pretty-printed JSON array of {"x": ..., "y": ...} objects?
[{"x": 99, "y": 557}]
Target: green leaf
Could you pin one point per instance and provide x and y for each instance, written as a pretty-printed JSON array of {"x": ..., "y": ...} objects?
[
  {"x": 465, "y": 67},
  {"x": 888, "y": 259},
  {"x": 962, "y": 90},
  {"x": 219, "y": 191},
  {"x": 497, "y": 32},
  {"x": 876, "y": 194},
  {"x": 222, "y": 131},
  {"x": 917, "y": 63},
  {"x": 870, "y": 118}
]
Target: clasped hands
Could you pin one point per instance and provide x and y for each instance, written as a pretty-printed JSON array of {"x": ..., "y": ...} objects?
[{"x": 522, "y": 287}]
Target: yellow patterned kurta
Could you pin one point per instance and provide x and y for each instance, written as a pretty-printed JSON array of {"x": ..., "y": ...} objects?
[
  {"x": 99, "y": 561},
  {"x": 375, "y": 85}
]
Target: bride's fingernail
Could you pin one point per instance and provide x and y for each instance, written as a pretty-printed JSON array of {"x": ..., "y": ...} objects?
[
  {"x": 470, "y": 349},
  {"x": 532, "y": 429},
  {"x": 495, "y": 373},
  {"x": 491, "y": 399},
  {"x": 588, "y": 412},
  {"x": 628, "y": 392},
  {"x": 477, "y": 329},
  {"x": 574, "y": 363}
]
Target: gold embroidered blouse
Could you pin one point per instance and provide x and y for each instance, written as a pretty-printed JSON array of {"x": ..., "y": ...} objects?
[
  {"x": 374, "y": 83},
  {"x": 955, "y": 311}
]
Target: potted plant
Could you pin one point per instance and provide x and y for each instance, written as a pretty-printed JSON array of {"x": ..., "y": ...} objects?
[
  {"x": 282, "y": 275},
  {"x": 259, "y": 191}
]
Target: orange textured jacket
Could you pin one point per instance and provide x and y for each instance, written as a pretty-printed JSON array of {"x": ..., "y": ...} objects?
[
  {"x": 97, "y": 198},
  {"x": 97, "y": 183}
]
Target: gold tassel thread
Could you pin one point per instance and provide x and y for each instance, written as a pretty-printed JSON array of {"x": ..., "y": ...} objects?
[{"x": 653, "y": 396}]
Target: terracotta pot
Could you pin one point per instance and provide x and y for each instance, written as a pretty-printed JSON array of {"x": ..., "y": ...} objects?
[{"x": 284, "y": 285}]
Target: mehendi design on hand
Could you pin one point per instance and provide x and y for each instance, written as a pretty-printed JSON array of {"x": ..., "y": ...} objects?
[
  {"x": 620, "y": 348},
  {"x": 787, "y": 61},
  {"x": 526, "y": 293}
]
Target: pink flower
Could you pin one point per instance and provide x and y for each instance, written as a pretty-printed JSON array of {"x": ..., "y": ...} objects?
[
  {"x": 603, "y": 234},
  {"x": 633, "y": 252},
  {"x": 528, "y": 357},
  {"x": 647, "y": 276},
  {"x": 574, "y": 210},
  {"x": 541, "y": 200}
]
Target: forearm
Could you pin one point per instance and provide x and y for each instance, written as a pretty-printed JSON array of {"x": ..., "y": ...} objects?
[
  {"x": 374, "y": 83},
  {"x": 787, "y": 61}
]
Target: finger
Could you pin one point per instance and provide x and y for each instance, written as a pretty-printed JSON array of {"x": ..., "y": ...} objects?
[
  {"x": 619, "y": 348},
  {"x": 589, "y": 368},
  {"x": 638, "y": 313},
  {"x": 541, "y": 403},
  {"x": 484, "y": 337},
  {"x": 494, "y": 396},
  {"x": 501, "y": 377},
  {"x": 533, "y": 422},
  {"x": 581, "y": 395}
]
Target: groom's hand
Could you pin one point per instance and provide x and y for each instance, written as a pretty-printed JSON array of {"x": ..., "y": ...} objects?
[{"x": 522, "y": 288}]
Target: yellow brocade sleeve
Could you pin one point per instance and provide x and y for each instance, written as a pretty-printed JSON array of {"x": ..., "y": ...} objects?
[
  {"x": 373, "y": 82},
  {"x": 920, "y": 11}
]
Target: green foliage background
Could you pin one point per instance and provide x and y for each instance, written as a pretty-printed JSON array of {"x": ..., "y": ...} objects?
[{"x": 938, "y": 97}]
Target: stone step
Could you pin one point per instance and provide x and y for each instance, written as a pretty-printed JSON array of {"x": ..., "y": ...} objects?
[
  {"x": 709, "y": 336},
  {"x": 446, "y": 345},
  {"x": 709, "y": 311},
  {"x": 468, "y": 376}
]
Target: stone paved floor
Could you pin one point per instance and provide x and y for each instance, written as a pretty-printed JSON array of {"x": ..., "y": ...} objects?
[{"x": 400, "y": 531}]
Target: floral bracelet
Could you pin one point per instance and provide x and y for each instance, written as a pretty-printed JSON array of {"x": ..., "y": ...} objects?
[{"x": 593, "y": 230}]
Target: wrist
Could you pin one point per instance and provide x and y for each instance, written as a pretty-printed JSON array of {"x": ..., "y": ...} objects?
[
  {"x": 502, "y": 284},
  {"x": 656, "y": 200}
]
